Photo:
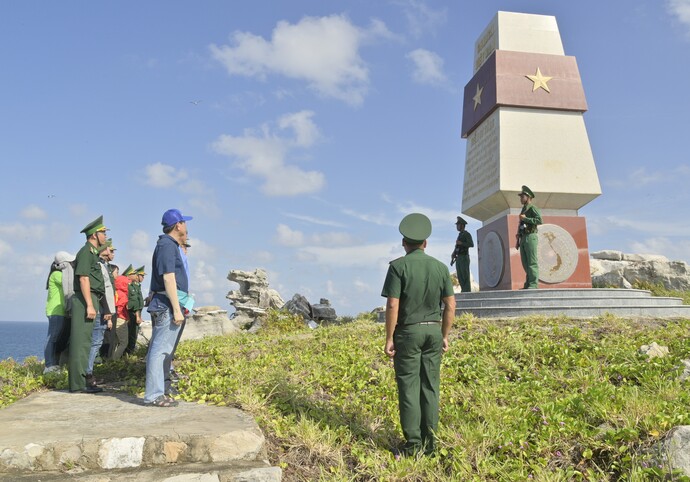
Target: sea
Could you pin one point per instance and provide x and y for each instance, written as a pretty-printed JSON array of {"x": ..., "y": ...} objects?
[{"x": 22, "y": 339}]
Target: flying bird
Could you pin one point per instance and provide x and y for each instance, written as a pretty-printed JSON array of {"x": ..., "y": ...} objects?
[
  {"x": 195, "y": 102},
  {"x": 51, "y": 195}
]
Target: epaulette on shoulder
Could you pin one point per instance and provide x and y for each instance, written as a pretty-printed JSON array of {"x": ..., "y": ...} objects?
[{"x": 393, "y": 261}]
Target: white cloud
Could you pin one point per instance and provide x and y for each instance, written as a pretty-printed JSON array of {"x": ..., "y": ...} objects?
[
  {"x": 421, "y": 18},
  {"x": 323, "y": 51},
  {"x": 350, "y": 256},
  {"x": 332, "y": 239},
  {"x": 378, "y": 219},
  {"x": 428, "y": 67},
  {"x": 673, "y": 249},
  {"x": 313, "y": 220},
  {"x": 288, "y": 237},
  {"x": 140, "y": 249},
  {"x": 78, "y": 210},
  {"x": 33, "y": 212},
  {"x": 5, "y": 249},
  {"x": 263, "y": 155},
  {"x": 361, "y": 287},
  {"x": 161, "y": 175},
  {"x": 680, "y": 9},
  {"x": 22, "y": 232}
]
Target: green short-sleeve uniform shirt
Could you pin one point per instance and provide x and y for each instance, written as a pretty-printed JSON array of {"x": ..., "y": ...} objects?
[
  {"x": 420, "y": 282},
  {"x": 135, "y": 297},
  {"x": 86, "y": 264}
]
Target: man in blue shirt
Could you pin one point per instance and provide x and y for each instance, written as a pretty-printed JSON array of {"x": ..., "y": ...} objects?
[{"x": 168, "y": 278}]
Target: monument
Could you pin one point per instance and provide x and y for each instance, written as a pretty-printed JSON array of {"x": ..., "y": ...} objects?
[{"x": 523, "y": 121}]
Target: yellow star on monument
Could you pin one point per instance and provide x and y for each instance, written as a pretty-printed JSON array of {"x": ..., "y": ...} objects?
[
  {"x": 539, "y": 81},
  {"x": 478, "y": 97}
]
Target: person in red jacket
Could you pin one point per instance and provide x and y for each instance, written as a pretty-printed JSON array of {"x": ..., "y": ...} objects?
[{"x": 122, "y": 330}]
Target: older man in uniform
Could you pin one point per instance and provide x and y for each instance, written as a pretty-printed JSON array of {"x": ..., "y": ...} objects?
[
  {"x": 527, "y": 239},
  {"x": 89, "y": 288},
  {"x": 420, "y": 309},
  {"x": 461, "y": 255}
]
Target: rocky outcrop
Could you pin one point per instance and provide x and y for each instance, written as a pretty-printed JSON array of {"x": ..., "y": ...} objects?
[
  {"x": 620, "y": 270},
  {"x": 323, "y": 311},
  {"x": 206, "y": 321},
  {"x": 254, "y": 298},
  {"x": 673, "y": 452}
]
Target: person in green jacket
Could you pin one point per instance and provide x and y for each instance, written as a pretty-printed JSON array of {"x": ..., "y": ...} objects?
[
  {"x": 89, "y": 289},
  {"x": 527, "y": 239},
  {"x": 461, "y": 255},
  {"x": 420, "y": 310},
  {"x": 135, "y": 304}
]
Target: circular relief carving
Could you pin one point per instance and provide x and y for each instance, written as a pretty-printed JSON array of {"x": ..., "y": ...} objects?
[
  {"x": 557, "y": 254},
  {"x": 491, "y": 261}
]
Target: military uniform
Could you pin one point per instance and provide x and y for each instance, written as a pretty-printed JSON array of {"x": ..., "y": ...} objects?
[
  {"x": 461, "y": 257},
  {"x": 86, "y": 264},
  {"x": 135, "y": 304},
  {"x": 529, "y": 241},
  {"x": 419, "y": 282}
]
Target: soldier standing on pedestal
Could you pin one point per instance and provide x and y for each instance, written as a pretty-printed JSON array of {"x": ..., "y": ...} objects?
[
  {"x": 461, "y": 255},
  {"x": 527, "y": 240}
]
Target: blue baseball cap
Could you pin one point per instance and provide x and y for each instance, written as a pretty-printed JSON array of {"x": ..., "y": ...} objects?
[{"x": 172, "y": 217}]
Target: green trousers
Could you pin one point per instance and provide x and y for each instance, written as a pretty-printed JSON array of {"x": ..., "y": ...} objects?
[
  {"x": 462, "y": 269},
  {"x": 530, "y": 262},
  {"x": 417, "y": 364},
  {"x": 79, "y": 342}
]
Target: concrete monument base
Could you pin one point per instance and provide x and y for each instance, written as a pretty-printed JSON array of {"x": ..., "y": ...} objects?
[{"x": 563, "y": 254}]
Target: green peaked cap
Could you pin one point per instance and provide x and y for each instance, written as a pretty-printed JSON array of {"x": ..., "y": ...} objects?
[
  {"x": 528, "y": 191},
  {"x": 140, "y": 270},
  {"x": 94, "y": 226},
  {"x": 415, "y": 228},
  {"x": 128, "y": 270}
]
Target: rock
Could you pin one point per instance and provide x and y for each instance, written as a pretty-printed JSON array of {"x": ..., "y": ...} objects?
[
  {"x": 254, "y": 298},
  {"x": 674, "y": 450},
  {"x": 686, "y": 370},
  {"x": 654, "y": 350},
  {"x": 206, "y": 321},
  {"x": 323, "y": 311},
  {"x": 608, "y": 269},
  {"x": 299, "y": 305}
]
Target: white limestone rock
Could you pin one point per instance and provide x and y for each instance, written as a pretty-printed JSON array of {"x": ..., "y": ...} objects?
[
  {"x": 119, "y": 453},
  {"x": 634, "y": 268}
]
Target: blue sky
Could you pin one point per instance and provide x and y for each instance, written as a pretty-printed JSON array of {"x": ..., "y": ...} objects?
[{"x": 299, "y": 133}]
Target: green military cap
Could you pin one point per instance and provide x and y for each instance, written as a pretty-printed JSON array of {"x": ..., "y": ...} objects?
[
  {"x": 109, "y": 242},
  {"x": 526, "y": 190},
  {"x": 461, "y": 221},
  {"x": 415, "y": 228},
  {"x": 128, "y": 271},
  {"x": 94, "y": 226},
  {"x": 140, "y": 271}
]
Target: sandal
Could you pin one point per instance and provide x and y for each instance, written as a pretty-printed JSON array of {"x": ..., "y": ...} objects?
[{"x": 163, "y": 401}]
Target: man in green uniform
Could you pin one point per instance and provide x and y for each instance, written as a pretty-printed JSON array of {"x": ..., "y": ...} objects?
[
  {"x": 461, "y": 255},
  {"x": 135, "y": 304},
  {"x": 527, "y": 240},
  {"x": 89, "y": 288},
  {"x": 417, "y": 329}
]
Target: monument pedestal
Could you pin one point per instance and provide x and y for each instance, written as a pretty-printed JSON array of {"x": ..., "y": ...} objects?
[{"x": 563, "y": 254}]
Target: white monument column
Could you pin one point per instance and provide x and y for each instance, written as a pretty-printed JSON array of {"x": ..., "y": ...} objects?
[{"x": 523, "y": 120}]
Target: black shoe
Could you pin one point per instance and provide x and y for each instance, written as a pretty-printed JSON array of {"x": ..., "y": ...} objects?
[
  {"x": 172, "y": 391},
  {"x": 90, "y": 380},
  {"x": 92, "y": 389}
]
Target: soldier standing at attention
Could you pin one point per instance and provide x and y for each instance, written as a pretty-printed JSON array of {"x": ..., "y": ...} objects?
[
  {"x": 527, "y": 240},
  {"x": 89, "y": 288},
  {"x": 461, "y": 255},
  {"x": 417, "y": 328}
]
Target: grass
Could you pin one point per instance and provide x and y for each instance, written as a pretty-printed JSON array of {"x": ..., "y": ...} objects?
[{"x": 544, "y": 399}]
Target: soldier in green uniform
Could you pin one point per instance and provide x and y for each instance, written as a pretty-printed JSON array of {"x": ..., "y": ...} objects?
[
  {"x": 527, "y": 240},
  {"x": 88, "y": 290},
  {"x": 461, "y": 255},
  {"x": 420, "y": 309},
  {"x": 134, "y": 306}
]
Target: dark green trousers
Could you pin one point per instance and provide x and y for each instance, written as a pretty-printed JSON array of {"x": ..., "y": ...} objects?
[
  {"x": 417, "y": 364},
  {"x": 79, "y": 342},
  {"x": 462, "y": 269},
  {"x": 530, "y": 262},
  {"x": 132, "y": 332}
]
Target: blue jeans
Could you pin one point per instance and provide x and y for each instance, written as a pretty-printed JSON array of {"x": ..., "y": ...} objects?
[
  {"x": 99, "y": 327},
  {"x": 159, "y": 355},
  {"x": 55, "y": 325}
]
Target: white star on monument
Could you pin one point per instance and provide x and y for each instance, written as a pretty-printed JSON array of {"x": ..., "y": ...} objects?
[
  {"x": 478, "y": 97},
  {"x": 539, "y": 81}
]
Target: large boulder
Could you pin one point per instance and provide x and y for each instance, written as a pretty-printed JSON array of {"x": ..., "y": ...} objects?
[
  {"x": 621, "y": 270},
  {"x": 254, "y": 298}
]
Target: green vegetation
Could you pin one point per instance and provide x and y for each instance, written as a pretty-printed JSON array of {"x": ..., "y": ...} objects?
[
  {"x": 547, "y": 399},
  {"x": 657, "y": 289}
]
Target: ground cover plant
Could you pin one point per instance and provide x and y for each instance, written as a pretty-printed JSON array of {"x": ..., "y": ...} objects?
[{"x": 527, "y": 399}]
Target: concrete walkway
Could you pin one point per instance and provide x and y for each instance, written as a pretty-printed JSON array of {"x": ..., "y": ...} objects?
[{"x": 116, "y": 437}]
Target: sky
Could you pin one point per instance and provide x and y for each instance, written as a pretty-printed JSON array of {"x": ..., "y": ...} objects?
[{"x": 298, "y": 134}]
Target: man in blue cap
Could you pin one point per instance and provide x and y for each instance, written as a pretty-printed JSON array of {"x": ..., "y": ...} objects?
[
  {"x": 527, "y": 240},
  {"x": 420, "y": 310},
  {"x": 168, "y": 282}
]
